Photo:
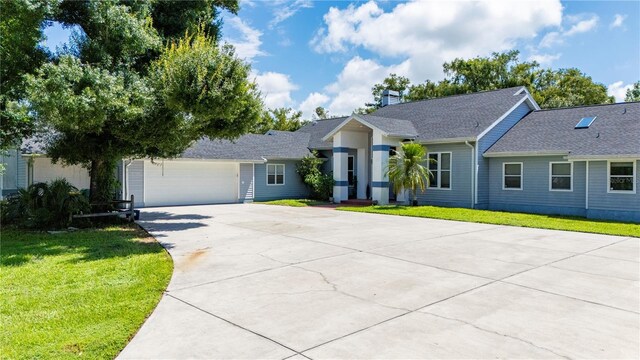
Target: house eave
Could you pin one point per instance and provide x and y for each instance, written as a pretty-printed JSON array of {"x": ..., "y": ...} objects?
[
  {"x": 525, "y": 153},
  {"x": 604, "y": 157},
  {"x": 447, "y": 141}
]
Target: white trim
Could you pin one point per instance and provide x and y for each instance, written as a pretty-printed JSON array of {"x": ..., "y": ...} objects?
[
  {"x": 439, "y": 170},
  {"x": 586, "y": 195},
  {"x": 605, "y": 157},
  {"x": 275, "y": 175},
  {"x": 353, "y": 171},
  {"x": 633, "y": 164},
  {"x": 474, "y": 177},
  {"x": 551, "y": 163},
  {"x": 238, "y": 182},
  {"x": 526, "y": 153},
  {"x": 521, "y": 175},
  {"x": 447, "y": 141},
  {"x": 253, "y": 182}
]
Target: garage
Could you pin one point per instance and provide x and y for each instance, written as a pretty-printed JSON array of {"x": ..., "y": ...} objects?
[{"x": 183, "y": 182}]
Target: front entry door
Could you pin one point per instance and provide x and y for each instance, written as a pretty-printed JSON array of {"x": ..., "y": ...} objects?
[{"x": 351, "y": 176}]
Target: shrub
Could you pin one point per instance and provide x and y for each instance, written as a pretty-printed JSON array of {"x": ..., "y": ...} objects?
[
  {"x": 321, "y": 185},
  {"x": 43, "y": 205}
]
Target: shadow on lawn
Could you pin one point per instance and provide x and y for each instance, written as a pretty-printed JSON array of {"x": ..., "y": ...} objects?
[{"x": 20, "y": 247}]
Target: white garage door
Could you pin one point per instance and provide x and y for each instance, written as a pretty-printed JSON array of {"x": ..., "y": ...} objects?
[{"x": 190, "y": 183}]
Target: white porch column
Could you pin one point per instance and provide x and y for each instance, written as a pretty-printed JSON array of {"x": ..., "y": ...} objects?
[
  {"x": 379, "y": 180},
  {"x": 340, "y": 166}
]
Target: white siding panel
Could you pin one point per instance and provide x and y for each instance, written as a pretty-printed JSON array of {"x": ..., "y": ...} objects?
[
  {"x": 190, "y": 183},
  {"x": 45, "y": 171}
]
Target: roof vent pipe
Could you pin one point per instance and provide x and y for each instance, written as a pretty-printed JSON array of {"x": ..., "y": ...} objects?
[{"x": 390, "y": 97}]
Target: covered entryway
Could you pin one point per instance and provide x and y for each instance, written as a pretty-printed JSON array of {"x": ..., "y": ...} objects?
[{"x": 179, "y": 182}]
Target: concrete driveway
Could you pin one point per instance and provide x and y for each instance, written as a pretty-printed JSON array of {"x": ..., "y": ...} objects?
[{"x": 259, "y": 281}]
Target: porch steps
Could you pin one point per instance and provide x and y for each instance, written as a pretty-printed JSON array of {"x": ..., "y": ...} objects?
[{"x": 357, "y": 202}]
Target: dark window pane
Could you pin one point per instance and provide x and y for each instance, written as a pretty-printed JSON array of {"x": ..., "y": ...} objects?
[
  {"x": 445, "y": 161},
  {"x": 350, "y": 163},
  {"x": 512, "y": 182},
  {"x": 561, "y": 183},
  {"x": 512, "y": 169},
  {"x": 279, "y": 179},
  {"x": 271, "y": 179},
  {"x": 622, "y": 168},
  {"x": 560, "y": 169},
  {"x": 622, "y": 183},
  {"x": 445, "y": 179},
  {"x": 433, "y": 179},
  {"x": 350, "y": 177},
  {"x": 433, "y": 161}
]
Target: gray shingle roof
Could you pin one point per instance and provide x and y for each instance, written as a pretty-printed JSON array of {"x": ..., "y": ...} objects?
[
  {"x": 614, "y": 132},
  {"x": 458, "y": 116},
  {"x": 273, "y": 145},
  {"x": 391, "y": 126},
  {"x": 319, "y": 129}
]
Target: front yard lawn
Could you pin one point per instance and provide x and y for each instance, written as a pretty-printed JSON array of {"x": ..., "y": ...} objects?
[
  {"x": 77, "y": 294},
  {"x": 506, "y": 218},
  {"x": 294, "y": 202}
]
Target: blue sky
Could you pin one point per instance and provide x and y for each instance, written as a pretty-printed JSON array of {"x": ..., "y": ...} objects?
[{"x": 329, "y": 53}]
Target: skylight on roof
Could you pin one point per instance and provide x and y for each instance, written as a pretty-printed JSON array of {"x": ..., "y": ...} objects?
[{"x": 585, "y": 122}]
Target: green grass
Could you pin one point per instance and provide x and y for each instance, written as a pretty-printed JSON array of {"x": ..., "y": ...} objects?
[
  {"x": 506, "y": 218},
  {"x": 294, "y": 202},
  {"x": 82, "y": 293}
]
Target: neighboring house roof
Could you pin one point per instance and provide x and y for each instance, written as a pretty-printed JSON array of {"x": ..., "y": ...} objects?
[
  {"x": 615, "y": 132},
  {"x": 458, "y": 116},
  {"x": 255, "y": 147},
  {"x": 318, "y": 129}
]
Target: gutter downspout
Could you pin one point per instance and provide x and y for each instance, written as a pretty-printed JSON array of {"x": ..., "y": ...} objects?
[
  {"x": 586, "y": 195},
  {"x": 125, "y": 174},
  {"x": 473, "y": 173}
]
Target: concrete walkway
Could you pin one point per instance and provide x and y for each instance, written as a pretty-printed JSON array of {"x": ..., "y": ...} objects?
[{"x": 259, "y": 281}]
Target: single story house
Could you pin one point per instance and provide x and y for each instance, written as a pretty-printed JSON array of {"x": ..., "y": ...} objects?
[{"x": 491, "y": 150}]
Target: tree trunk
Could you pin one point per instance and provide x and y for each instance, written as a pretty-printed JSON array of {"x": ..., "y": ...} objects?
[{"x": 102, "y": 184}]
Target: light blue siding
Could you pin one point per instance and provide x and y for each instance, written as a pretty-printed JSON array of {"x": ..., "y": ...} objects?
[
  {"x": 12, "y": 178},
  {"x": 614, "y": 206},
  {"x": 485, "y": 143},
  {"x": 461, "y": 177},
  {"x": 535, "y": 195},
  {"x": 293, "y": 186},
  {"x": 246, "y": 182},
  {"x": 327, "y": 166}
]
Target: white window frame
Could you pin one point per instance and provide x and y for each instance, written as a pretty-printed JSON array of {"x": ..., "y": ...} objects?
[
  {"x": 276, "y": 175},
  {"x": 633, "y": 162},
  {"x": 504, "y": 165},
  {"x": 353, "y": 171},
  {"x": 551, "y": 163},
  {"x": 439, "y": 169}
]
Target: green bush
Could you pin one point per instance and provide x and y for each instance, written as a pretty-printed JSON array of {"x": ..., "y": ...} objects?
[
  {"x": 321, "y": 185},
  {"x": 44, "y": 206}
]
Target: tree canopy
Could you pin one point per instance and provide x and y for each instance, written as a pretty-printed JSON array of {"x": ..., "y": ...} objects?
[
  {"x": 140, "y": 79},
  {"x": 550, "y": 88},
  {"x": 283, "y": 119},
  {"x": 633, "y": 94}
]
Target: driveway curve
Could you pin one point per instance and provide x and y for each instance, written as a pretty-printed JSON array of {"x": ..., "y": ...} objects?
[{"x": 259, "y": 281}]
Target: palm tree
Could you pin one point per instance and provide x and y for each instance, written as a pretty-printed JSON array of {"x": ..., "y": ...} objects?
[{"x": 406, "y": 171}]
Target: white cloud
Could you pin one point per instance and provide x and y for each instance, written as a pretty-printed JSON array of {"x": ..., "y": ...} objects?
[
  {"x": 618, "y": 90},
  {"x": 618, "y": 20},
  {"x": 352, "y": 88},
  {"x": 582, "y": 26},
  {"x": 282, "y": 13},
  {"x": 309, "y": 105},
  {"x": 580, "y": 23},
  {"x": 276, "y": 89},
  {"x": 419, "y": 36},
  {"x": 246, "y": 40},
  {"x": 544, "y": 59}
]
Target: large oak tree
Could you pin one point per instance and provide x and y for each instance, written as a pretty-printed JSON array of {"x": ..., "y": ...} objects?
[{"x": 141, "y": 79}]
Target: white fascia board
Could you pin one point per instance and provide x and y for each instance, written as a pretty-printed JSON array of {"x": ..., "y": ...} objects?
[
  {"x": 346, "y": 121},
  {"x": 447, "y": 141},
  {"x": 531, "y": 101},
  {"x": 526, "y": 153},
  {"x": 605, "y": 157}
]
